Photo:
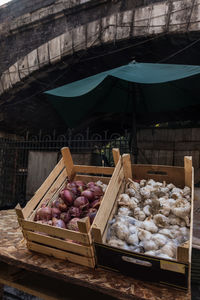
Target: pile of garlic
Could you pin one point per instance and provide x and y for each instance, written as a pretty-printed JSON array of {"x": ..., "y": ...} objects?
[{"x": 152, "y": 218}]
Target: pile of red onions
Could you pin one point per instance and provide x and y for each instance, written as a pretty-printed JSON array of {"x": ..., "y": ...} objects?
[{"x": 77, "y": 200}]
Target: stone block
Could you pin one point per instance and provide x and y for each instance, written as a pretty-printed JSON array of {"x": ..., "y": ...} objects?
[
  {"x": 124, "y": 21},
  {"x": 54, "y": 50},
  {"x": 33, "y": 61},
  {"x": 14, "y": 75},
  {"x": 108, "y": 29},
  {"x": 158, "y": 18},
  {"x": 5, "y": 80},
  {"x": 23, "y": 67},
  {"x": 93, "y": 33},
  {"x": 43, "y": 55},
  {"x": 79, "y": 38},
  {"x": 66, "y": 43},
  {"x": 141, "y": 20}
]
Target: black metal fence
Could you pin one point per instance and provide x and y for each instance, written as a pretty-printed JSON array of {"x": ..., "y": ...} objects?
[{"x": 14, "y": 157}]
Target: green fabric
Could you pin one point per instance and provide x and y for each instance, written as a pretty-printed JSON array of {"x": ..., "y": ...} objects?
[{"x": 161, "y": 87}]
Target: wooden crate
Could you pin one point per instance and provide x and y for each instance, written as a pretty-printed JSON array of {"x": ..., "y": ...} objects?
[
  {"x": 170, "y": 272},
  {"x": 55, "y": 241}
]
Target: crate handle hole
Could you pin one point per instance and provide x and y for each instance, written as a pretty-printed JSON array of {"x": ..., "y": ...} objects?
[
  {"x": 157, "y": 173},
  {"x": 137, "y": 261}
]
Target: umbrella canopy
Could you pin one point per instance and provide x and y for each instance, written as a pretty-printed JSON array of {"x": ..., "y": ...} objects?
[{"x": 162, "y": 88}]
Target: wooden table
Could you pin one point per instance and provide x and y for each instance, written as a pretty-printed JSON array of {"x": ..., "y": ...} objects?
[{"x": 50, "y": 278}]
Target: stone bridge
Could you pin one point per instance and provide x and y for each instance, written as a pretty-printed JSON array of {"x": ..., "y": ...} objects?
[{"x": 45, "y": 43}]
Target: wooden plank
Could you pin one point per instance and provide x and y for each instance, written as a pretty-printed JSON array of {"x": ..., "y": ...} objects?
[
  {"x": 84, "y": 225},
  {"x": 60, "y": 244},
  {"x": 116, "y": 155},
  {"x": 68, "y": 162},
  {"x": 88, "y": 178},
  {"x": 188, "y": 170},
  {"x": 43, "y": 189},
  {"x": 58, "y": 232},
  {"x": 93, "y": 170},
  {"x": 103, "y": 213},
  {"x": 126, "y": 161},
  {"x": 159, "y": 173},
  {"x": 81, "y": 260},
  {"x": 183, "y": 253}
]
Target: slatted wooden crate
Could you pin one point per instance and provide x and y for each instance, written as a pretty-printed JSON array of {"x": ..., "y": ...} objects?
[
  {"x": 174, "y": 272},
  {"x": 55, "y": 241}
]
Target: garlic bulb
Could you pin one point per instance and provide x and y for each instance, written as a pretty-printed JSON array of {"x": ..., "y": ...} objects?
[
  {"x": 144, "y": 234},
  {"x": 173, "y": 220},
  {"x": 133, "y": 239},
  {"x": 169, "y": 249},
  {"x": 115, "y": 242},
  {"x": 121, "y": 230},
  {"x": 147, "y": 202},
  {"x": 151, "y": 252},
  {"x": 132, "y": 229},
  {"x": 125, "y": 200},
  {"x": 181, "y": 208},
  {"x": 160, "y": 220},
  {"x": 159, "y": 239},
  {"x": 139, "y": 214},
  {"x": 162, "y": 255},
  {"x": 186, "y": 191},
  {"x": 166, "y": 232},
  {"x": 142, "y": 182},
  {"x": 124, "y": 211},
  {"x": 130, "y": 192},
  {"x": 170, "y": 186},
  {"x": 147, "y": 210},
  {"x": 149, "y": 225},
  {"x": 149, "y": 245}
]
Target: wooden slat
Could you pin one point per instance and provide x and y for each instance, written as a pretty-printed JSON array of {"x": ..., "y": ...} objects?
[
  {"x": 58, "y": 232},
  {"x": 103, "y": 213},
  {"x": 183, "y": 253},
  {"x": 126, "y": 161},
  {"x": 84, "y": 225},
  {"x": 68, "y": 162},
  {"x": 88, "y": 178},
  {"x": 81, "y": 260},
  {"x": 93, "y": 169},
  {"x": 116, "y": 155},
  {"x": 170, "y": 174},
  {"x": 60, "y": 244},
  {"x": 188, "y": 170},
  {"x": 43, "y": 189}
]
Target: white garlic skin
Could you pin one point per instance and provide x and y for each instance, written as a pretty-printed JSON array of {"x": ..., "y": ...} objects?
[
  {"x": 144, "y": 234},
  {"x": 115, "y": 242},
  {"x": 159, "y": 239},
  {"x": 130, "y": 192},
  {"x": 149, "y": 245},
  {"x": 151, "y": 252},
  {"x": 147, "y": 210},
  {"x": 160, "y": 220},
  {"x": 143, "y": 182},
  {"x": 149, "y": 225},
  {"x": 139, "y": 214},
  {"x": 133, "y": 239},
  {"x": 166, "y": 232}
]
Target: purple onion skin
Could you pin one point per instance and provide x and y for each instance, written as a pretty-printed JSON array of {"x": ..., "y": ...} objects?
[
  {"x": 81, "y": 202},
  {"x": 88, "y": 194},
  {"x": 75, "y": 211},
  {"x": 65, "y": 216},
  {"x": 58, "y": 223},
  {"x": 97, "y": 190},
  {"x": 44, "y": 213},
  {"x": 90, "y": 184},
  {"x": 91, "y": 216},
  {"x": 95, "y": 204},
  {"x": 56, "y": 212},
  {"x": 67, "y": 196},
  {"x": 73, "y": 224}
]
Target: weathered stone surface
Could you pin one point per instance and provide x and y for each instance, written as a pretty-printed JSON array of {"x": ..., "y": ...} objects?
[
  {"x": 23, "y": 67},
  {"x": 66, "y": 43},
  {"x": 43, "y": 55},
  {"x": 54, "y": 50},
  {"x": 14, "y": 74},
  {"x": 33, "y": 61}
]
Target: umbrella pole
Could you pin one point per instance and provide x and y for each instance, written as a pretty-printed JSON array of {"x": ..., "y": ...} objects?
[{"x": 134, "y": 148}]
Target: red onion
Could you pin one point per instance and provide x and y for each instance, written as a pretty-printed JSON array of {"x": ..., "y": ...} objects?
[
  {"x": 91, "y": 184},
  {"x": 56, "y": 212},
  {"x": 97, "y": 190},
  {"x": 44, "y": 204},
  {"x": 44, "y": 213},
  {"x": 73, "y": 224},
  {"x": 95, "y": 204},
  {"x": 60, "y": 204},
  {"x": 91, "y": 214},
  {"x": 71, "y": 186},
  {"x": 65, "y": 216},
  {"x": 74, "y": 211},
  {"x": 88, "y": 194},
  {"x": 58, "y": 223},
  {"x": 81, "y": 202},
  {"x": 67, "y": 196}
]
